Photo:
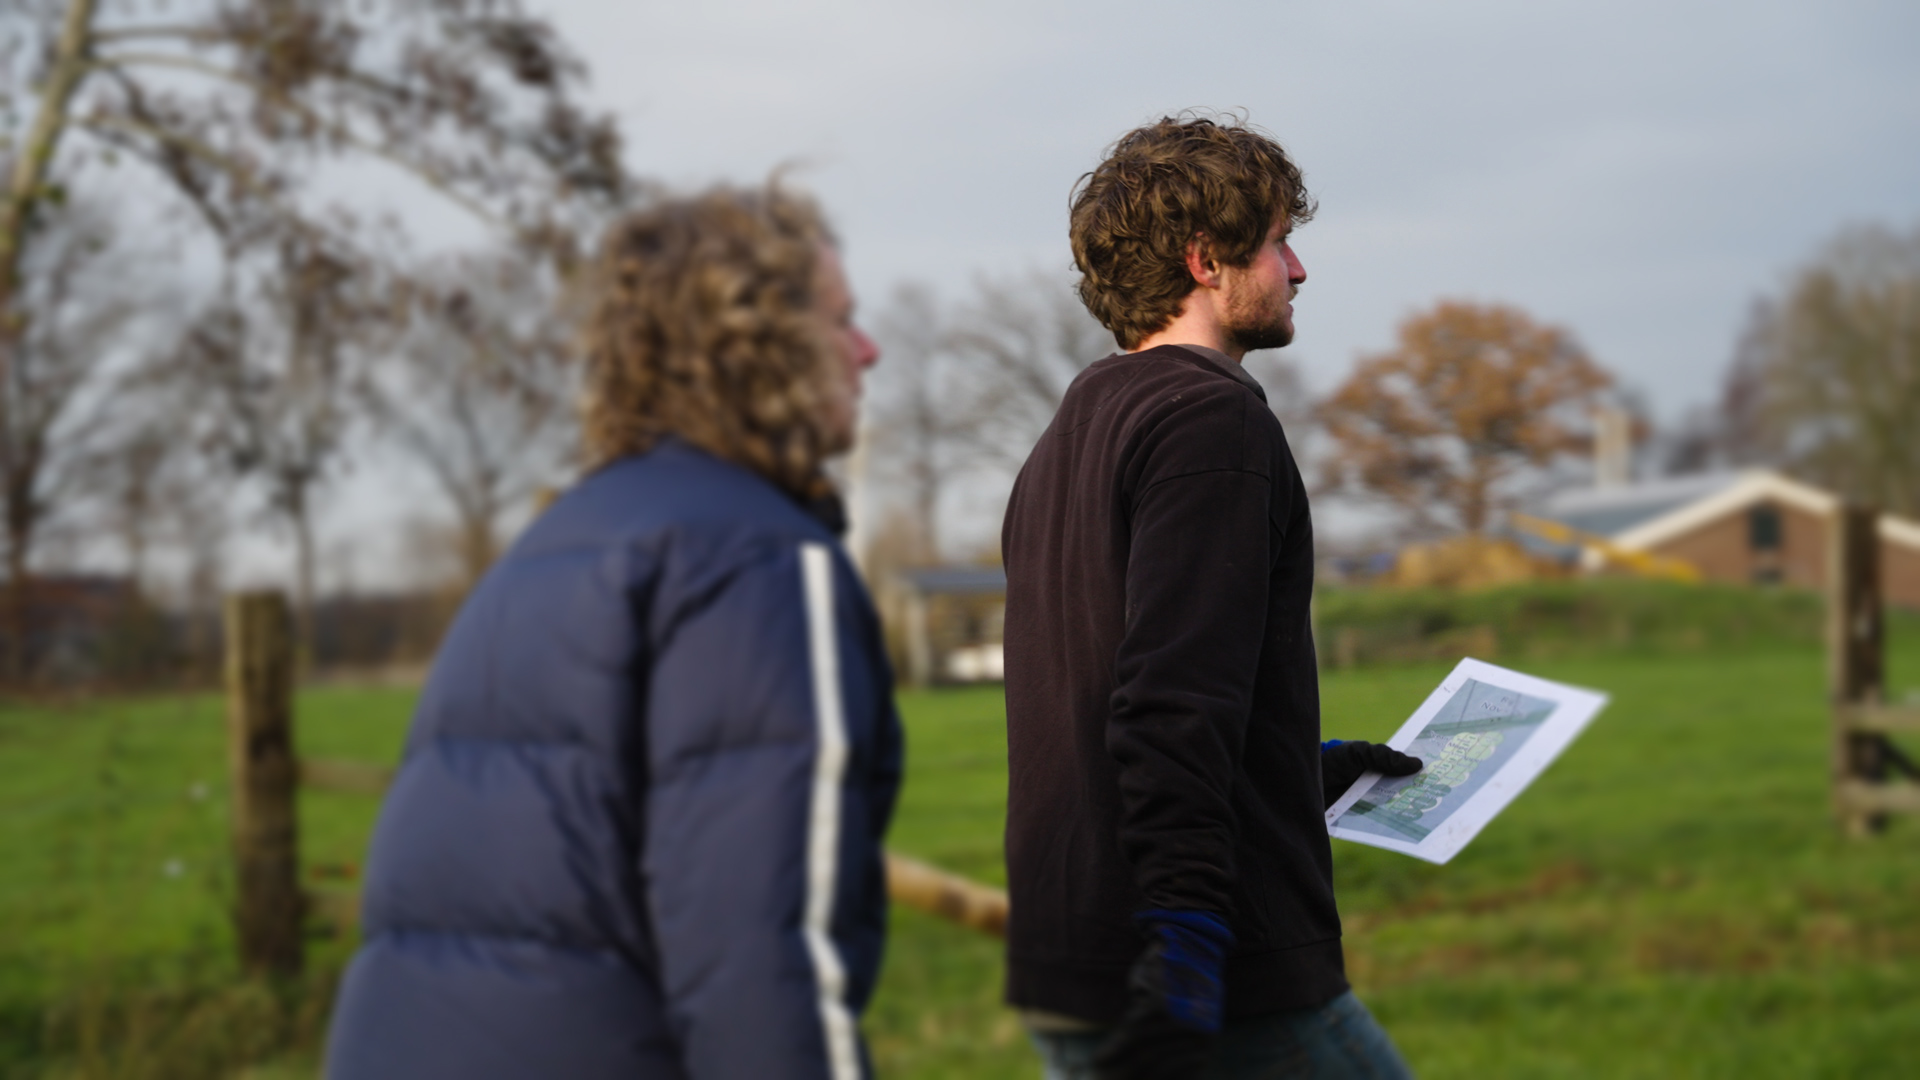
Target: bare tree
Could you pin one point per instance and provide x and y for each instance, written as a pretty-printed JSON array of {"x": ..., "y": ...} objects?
[
  {"x": 236, "y": 104},
  {"x": 482, "y": 396},
  {"x": 239, "y": 108},
  {"x": 54, "y": 415},
  {"x": 279, "y": 366},
  {"x": 1835, "y": 365},
  {"x": 1020, "y": 342},
  {"x": 964, "y": 391},
  {"x": 151, "y": 491},
  {"x": 147, "y": 492},
  {"x": 914, "y": 426},
  {"x": 130, "y": 482}
]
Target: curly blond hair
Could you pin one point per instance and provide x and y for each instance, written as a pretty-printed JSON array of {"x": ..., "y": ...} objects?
[{"x": 699, "y": 323}]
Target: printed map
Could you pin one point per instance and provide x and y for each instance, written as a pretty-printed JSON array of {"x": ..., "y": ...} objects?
[{"x": 1467, "y": 742}]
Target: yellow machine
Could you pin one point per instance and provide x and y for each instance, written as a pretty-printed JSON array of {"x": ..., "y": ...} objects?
[{"x": 1644, "y": 563}]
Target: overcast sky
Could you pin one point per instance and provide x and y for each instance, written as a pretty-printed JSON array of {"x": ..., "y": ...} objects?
[{"x": 1635, "y": 171}]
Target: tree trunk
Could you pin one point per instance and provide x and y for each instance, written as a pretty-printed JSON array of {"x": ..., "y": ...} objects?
[
  {"x": 1473, "y": 507},
  {"x": 300, "y": 517},
  {"x": 137, "y": 559},
  {"x": 477, "y": 547},
  {"x": 65, "y": 72},
  {"x": 1476, "y": 504},
  {"x": 479, "y": 543},
  {"x": 34, "y": 157},
  {"x": 203, "y": 605},
  {"x": 926, "y": 515},
  {"x": 22, "y": 521},
  {"x": 18, "y": 602}
]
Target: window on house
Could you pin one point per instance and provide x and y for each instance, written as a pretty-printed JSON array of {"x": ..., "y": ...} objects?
[{"x": 1763, "y": 528}]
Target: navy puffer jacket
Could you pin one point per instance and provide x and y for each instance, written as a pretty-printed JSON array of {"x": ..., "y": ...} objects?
[{"x": 636, "y": 832}]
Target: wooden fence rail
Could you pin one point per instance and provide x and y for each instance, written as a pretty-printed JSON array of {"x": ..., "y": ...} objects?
[
  {"x": 950, "y": 896},
  {"x": 272, "y": 905}
]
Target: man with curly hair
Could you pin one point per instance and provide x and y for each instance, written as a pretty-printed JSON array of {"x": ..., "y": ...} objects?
[
  {"x": 636, "y": 832},
  {"x": 1167, "y": 855}
]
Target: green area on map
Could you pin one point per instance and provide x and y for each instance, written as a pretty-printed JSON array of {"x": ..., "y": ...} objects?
[{"x": 1478, "y": 730}]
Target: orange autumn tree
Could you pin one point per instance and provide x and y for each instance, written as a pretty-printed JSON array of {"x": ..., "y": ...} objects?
[{"x": 1471, "y": 399}]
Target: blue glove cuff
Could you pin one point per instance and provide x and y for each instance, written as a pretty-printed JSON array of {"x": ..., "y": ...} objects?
[
  {"x": 1210, "y": 932},
  {"x": 1330, "y": 744},
  {"x": 1193, "y": 948}
]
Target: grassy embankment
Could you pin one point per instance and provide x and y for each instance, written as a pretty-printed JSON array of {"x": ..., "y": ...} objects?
[{"x": 1669, "y": 900}]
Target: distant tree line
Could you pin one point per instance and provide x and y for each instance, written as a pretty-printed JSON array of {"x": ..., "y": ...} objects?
[
  {"x": 964, "y": 388},
  {"x": 1475, "y": 410},
  {"x": 1447, "y": 428},
  {"x": 201, "y": 332},
  {"x": 195, "y": 322}
]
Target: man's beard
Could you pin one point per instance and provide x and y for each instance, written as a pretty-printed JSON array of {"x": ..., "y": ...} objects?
[{"x": 1251, "y": 327}]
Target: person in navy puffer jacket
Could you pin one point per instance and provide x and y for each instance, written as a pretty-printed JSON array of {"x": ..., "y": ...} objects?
[{"x": 636, "y": 832}]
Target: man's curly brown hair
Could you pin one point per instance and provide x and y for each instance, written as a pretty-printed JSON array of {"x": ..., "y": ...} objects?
[
  {"x": 1160, "y": 187},
  {"x": 699, "y": 323}
]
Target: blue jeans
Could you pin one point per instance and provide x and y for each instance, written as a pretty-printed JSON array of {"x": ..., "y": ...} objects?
[{"x": 1336, "y": 1041}]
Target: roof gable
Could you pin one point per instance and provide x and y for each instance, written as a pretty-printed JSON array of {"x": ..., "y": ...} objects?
[{"x": 1747, "y": 490}]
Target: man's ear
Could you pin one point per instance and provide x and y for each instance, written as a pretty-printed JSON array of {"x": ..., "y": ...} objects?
[{"x": 1201, "y": 263}]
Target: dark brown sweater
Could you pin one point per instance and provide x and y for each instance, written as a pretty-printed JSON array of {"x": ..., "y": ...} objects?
[{"x": 1163, "y": 709}]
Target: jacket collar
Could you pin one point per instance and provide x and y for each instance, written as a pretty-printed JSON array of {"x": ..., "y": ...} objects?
[{"x": 830, "y": 510}]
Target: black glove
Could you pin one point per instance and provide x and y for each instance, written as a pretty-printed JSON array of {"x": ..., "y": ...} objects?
[
  {"x": 1175, "y": 996},
  {"x": 1341, "y": 763}
]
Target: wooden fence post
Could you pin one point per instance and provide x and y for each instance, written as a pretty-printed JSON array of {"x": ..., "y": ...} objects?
[
  {"x": 1856, "y": 662},
  {"x": 259, "y": 675}
]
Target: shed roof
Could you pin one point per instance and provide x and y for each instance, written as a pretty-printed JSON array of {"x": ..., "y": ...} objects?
[{"x": 1611, "y": 511}]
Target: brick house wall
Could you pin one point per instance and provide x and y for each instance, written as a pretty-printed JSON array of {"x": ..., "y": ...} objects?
[
  {"x": 1775, "y": 543},
  {"x": 1746, "y": 548}
]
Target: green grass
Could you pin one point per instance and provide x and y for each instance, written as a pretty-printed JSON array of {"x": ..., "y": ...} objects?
[
  {"x": 938, "y": 1013},
  {"x": 1671, "y": 899},
  {"x": 113, "y": 907},
  {"x": 1553, "y": 620}
]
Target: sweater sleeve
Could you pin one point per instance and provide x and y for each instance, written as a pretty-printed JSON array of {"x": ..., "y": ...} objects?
[
  {"x": 763, "y": 820},
  {"x": 1196, "y": 593}
]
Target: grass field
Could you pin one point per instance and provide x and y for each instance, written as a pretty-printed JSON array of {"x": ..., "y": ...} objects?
[{"x": 1669, "y": 900}]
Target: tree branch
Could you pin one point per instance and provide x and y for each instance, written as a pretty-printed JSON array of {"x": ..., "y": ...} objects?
[
  {"x": 36, "y": 153},
  {"x": 339, "y": 131},
  {"x": 158, "y": 32},
  {"x": 234, "y": 170}
]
